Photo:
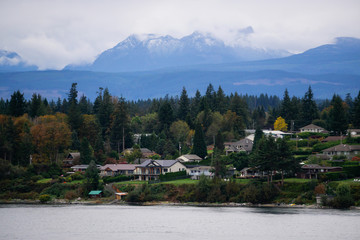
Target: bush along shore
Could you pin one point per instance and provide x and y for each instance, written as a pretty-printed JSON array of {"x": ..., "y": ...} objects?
[{"x": 209, "y": 192}]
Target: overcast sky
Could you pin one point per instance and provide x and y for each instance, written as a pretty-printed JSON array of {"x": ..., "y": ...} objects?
[{"x": 54, "y": 33}]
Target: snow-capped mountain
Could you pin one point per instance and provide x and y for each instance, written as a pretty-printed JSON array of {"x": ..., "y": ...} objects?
[
  {"x": 148, "y": 52},
  {"x": 12, "y": 62}
]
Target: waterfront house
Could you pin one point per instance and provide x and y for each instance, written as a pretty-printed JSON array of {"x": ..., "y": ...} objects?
[
  {"x": 152, "y": 169},
  {"x": 311, "y": 171},
  {"x": 81, "y": 167},
  {"x": 117, "y": 169}
]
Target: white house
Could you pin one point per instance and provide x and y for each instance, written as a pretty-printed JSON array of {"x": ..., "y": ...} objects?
[
  {"x": 313, "y": 128},
  {"x": 196, "y": 171}
]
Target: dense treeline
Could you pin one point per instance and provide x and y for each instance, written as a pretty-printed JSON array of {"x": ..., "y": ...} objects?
[{"x": 100, "y": 130}]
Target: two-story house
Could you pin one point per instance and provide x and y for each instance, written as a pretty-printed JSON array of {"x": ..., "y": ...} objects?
[{"x": 152, "y": 169}]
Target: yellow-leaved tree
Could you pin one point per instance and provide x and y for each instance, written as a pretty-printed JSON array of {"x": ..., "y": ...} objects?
[{"x": 280, "y": 124}]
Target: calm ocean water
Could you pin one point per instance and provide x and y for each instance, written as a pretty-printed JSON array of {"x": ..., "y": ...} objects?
[{"x": 174, "y": 222}]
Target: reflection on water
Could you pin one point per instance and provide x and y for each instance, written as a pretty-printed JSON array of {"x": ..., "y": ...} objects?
[{"x": 174, "y": 222}]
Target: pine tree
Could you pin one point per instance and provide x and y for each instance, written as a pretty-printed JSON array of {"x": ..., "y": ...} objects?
[
  {"x": 309, "y": 109},
  {"x": 75, "y": 143},
  {"x": 219, "y": 142},
  {"x": 92, "y": 177},
  {"x": 338, "y": 116},
  {"x": 74, "y": 113},
  {"x": 17, "y": 104},
  {"x": 220, "y": 103},
  {"x": 86, "y": 152},
  {"x": 356, "y": 111},
  {"x": 199, "y": 147},
  {"x": 120, "y": 134},
  {"x": 184, "y": 105}
]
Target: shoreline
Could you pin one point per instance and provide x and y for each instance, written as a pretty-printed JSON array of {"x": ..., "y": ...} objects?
[{"x": 58, "y": 202}]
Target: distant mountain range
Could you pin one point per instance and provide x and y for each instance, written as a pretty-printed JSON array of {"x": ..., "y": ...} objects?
[
  {"x": 329, "y": 69},
  {"x": 150, "y": 52}
]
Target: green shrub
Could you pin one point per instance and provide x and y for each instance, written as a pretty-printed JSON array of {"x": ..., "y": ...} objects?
[
  {"x": 172, "y": 176},
  {"x": 77, "y": 176},
  {"x": 333, "y": 176},
  {"x": 119, "y": 178},
  {"x": 44, "y": 198}
]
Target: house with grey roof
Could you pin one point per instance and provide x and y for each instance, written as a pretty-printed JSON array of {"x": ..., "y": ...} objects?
[
  {"x": 189, "y": 158},
  {"x": 152, "y": 169},
  {"x": 244, "y": 145},
  {"x": 346, "y": 150},
  {"x": 117, "y": 169},
  {"x": 311, "y": 171},
  {"x": 196, "y": 171},
  {"x": 313, "y": 128}
]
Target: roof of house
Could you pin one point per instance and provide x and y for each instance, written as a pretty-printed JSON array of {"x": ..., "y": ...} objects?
[
  {"x": 95, "y": 192},
  {"x": 312, "y": 126},
  {"x": 333, "y": 138},
  {"x": 241, "y": 145},
  {"x": 82, "y": 166},
  {"x": 317, "y": 166},
  {"x": 189, "y": 157},
  {"x": 161, "y": 163},
  {"x": 74, "y": 155},
  {"x": 118, "y": 167},
  {"x": 343, "y": 148}
]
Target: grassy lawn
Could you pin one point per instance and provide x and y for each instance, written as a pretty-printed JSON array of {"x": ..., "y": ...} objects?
[
  {"x": 44, "y": 180},
  {"x": 348, "y": 181},
  {"x": 131, "y": 182},
  {"x": 181, "y": 181},
  {"x": 244, "y": 181},
  {"x": 297, "y": 180}
]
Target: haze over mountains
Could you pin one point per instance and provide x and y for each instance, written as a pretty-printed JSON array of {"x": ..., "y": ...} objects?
[{"x": 152, "y": 66}]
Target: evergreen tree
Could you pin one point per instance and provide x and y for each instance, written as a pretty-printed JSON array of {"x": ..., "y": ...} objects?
[
  {"x": 356, "y": 111},
  {"x": 286, "y": 109},
  {"x": 195, "y": 104},
  {"x": 199, "y": 147},
  {"x": 86, "y": 152},
  {"x": 75, "y": 143},
  {"x": 240, "y": 107},
  {"x": 166, "y": 115},
  {"x": 92, "y": 177},
  {"x": 285, "y": 160},
  {"x": 220, "y": 103},
  {"x": 17, "y": 104},
  {"x": 309, "y": 109},
  {"x": 210, "y": 97},
  {"x": 258, "y": 135},
  {"x": 37, "y": 107},
  {"x": 74, "y": 114},
  {"x": 338, "y": 116},
  {"x": 219, "y": 142},
  {"x": 104, "y": 108},
  {"x": 120, "y": 136},
  {"x": 184, "y": 105}
]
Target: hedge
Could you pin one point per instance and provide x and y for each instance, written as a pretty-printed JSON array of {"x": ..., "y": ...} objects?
[
  {"x": 334, "y": 176},
  {"x": 118, "y": 178},
  {"x": 352, "y": 170},
  {"x": 172, "y": 176}
]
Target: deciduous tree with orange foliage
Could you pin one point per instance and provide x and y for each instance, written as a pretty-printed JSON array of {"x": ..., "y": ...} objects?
[{"x": 51, "y": 135}]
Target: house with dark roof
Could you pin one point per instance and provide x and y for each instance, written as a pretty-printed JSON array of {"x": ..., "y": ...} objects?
[
  {"x": 313, "y": 128},
  {"x": 346, "y": 150},
  {"x": 189, "y": 158},
  {"x": 311, "y": 171},
  {"x": 244, "y": 145},
  {"x": 71, "y": 159},
  {"x": 152, "y": 169},
  {"x": 117, "y": 169}
]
